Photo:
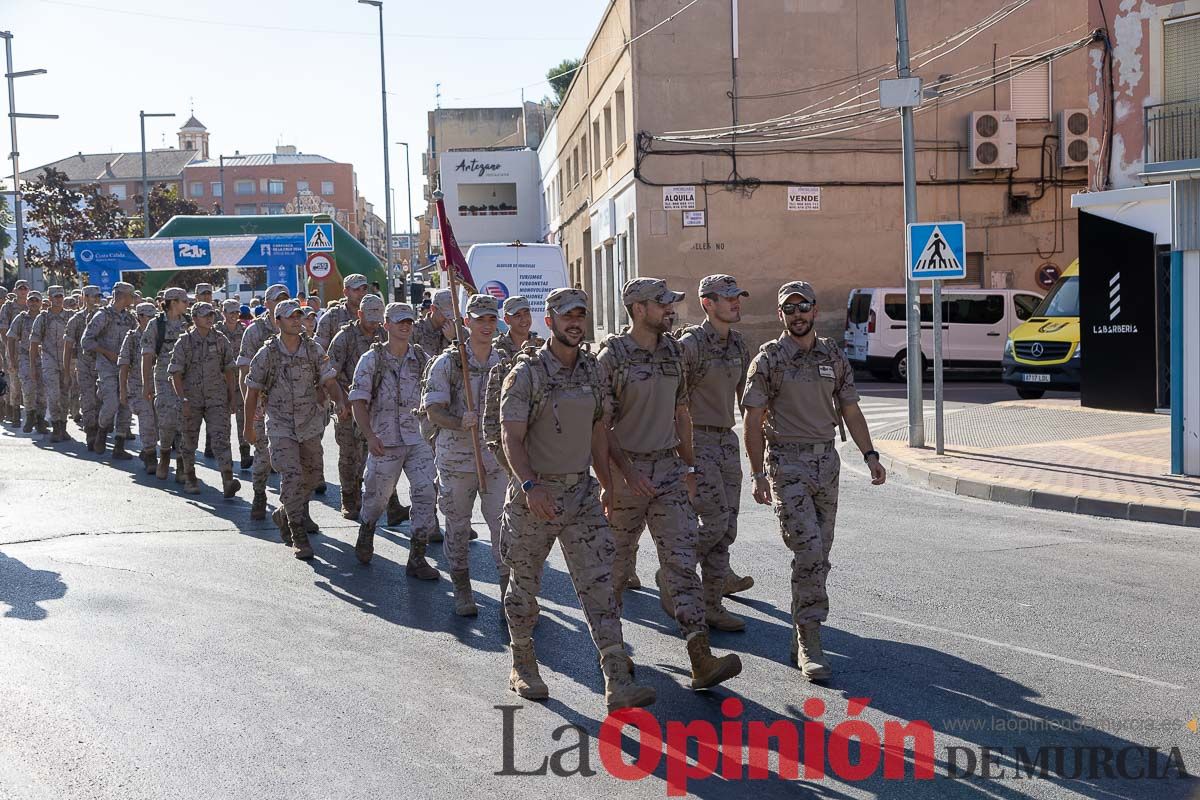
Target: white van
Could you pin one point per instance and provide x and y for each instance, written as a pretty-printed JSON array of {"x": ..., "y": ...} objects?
[
  {"x": 529, "y": 270},
  {"x": 975, "y": 326}
]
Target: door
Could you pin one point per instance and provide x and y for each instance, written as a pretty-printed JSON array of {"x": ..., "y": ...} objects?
[
  {"x": 1023, "y": 306},
  {"x": 858, "y": 318},
  {"x": 978, "y": 329}
]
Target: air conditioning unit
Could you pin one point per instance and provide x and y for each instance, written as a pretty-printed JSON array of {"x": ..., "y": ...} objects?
[
  {"x": 1074, "y": 148},
  {"x": 993, "y": 140}
]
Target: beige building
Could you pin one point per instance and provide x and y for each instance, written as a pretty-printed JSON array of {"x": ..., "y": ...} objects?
[{"x": 642, "y": 174}]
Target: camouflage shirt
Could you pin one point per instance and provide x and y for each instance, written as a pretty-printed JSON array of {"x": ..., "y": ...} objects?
[
  {"x": 202, "y": 363},
  {"x": 107, "y": 329},
  {"x": 174, "y": 329},
  {"x": 253, "y": 338},
  {"x": 21, "y": 327},
  {"x": 799, "y": 389},
  {"x": 391, "y": 386},
  {"x": 290, "y": 381},
  {"x": 715, "y": 372},
  {"x": 455, "y": 452},
  {"x": 48, "y": 331},
  {"x": 509, "y": 349},
  {"x": 646, "y": 388},
  {"x": 336, "y": 317},
  {"x": 347, "y": 348},
  {"x": 428, "y": 337},
  {"x": 130, "y": 354},
  {"x": 74, "y": 333}
]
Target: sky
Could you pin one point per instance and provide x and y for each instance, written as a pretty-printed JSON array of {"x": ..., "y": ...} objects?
[{"x": 258, "y": 73}]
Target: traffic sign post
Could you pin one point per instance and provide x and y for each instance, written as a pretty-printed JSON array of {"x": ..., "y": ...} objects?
[
  {"x": 935, "y": 251},
  {"x": 319, "y": 265},
  {"x": 318, "y": 237}
]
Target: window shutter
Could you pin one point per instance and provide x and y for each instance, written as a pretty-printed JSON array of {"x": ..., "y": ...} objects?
[
  {"x": 1181, "y": 59},
  {"x": 1029, "y": 92}
]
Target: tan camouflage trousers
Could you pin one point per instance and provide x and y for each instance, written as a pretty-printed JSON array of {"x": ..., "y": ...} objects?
[
  {"x": 804, "y": 487},
  {"x": 382, "y": 474},
  {"x": 15, "y": 394},
  {"x": 56, "y": 396},
  {"x": 147, "y": 424},
  {"x": 112, "y": 415},
  {"x": 718, "y": 498},
  {"x": 169, "y": 409},
  {"x": 73, "y": 396},
  {"x": 456, "y": 499},
  {"x": 89, "y": 404},
  {"x": 261, "y": 471},
  {"x": 352, "y": 455},
  {"x": 586, "y": 543},
  {"x": 672, "y": 522},
  {"x": 299, "y": 465},
  {"x": 216, "y": 422},
  {"x": 31, "y": 391}
]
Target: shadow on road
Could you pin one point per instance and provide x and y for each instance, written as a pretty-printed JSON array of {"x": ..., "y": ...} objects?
[{"x": 22, "y": 589}]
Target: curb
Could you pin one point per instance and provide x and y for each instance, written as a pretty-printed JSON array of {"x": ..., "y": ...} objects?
[{"x": 1033, "y": 498}]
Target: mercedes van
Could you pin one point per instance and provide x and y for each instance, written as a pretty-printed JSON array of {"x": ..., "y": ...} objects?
[{"x": 1043, "y": 352}]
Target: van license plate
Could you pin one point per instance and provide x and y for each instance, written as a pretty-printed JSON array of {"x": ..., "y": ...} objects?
[{"x": 1034, "y": 377}]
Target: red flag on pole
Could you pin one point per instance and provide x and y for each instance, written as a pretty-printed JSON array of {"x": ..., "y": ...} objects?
[{"x": 450, "y": 251}]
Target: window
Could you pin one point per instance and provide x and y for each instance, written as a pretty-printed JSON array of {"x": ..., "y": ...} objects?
[
  {"x": 243, "y": 210},
  {"x": 1063, "y": 300},
  {"x": 487, "y": 199},
  {"x": 619, "y": 102},
  {"x": 596, "y": 144},
  {"x": 575, "y": 167},
  {"x": 327, "y": 187},
  {"x": 117, "y": 190},
  {"x": 243, "y": 187},
  {"x": 893, "y": 306},
  {"x": 275, "y": 187},
  {"x": 558, "y": 187},
  {"x": 975, "y": 309},
  {"x": 608, "y": 133},
  {"x": 217, "y": 189},
  {"x": 1025, "y": 305},
  {"x": 1030, "y": 91},
  {"x": 583, "y": 152},
  {"x": 860, "y": 308},
  {"x": 273, "y": 208},
  {"x": 301, "y": 186},
  {"x": 195, "y": 189}
]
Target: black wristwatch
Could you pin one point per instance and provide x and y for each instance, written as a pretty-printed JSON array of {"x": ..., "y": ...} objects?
[
  {"x": 867, "y": 455},
  {"x": 527, "y": 486}
]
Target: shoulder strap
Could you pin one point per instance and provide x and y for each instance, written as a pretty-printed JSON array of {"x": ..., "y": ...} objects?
[
  {"x": 620, "y": 352},
  {"x": 377, "y": 375},
  {"x": 160, "y": 334}
]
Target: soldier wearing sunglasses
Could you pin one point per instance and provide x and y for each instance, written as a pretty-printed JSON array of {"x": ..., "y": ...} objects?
[{"x": 796, "y": 389}]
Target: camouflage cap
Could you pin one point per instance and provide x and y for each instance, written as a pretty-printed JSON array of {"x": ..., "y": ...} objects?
[
  {"x": 34, "y": 295},
  {"x": 722, "y": 286},
  {"x": 640, "y": 290},
  {"x": 482, "y": 305},
  {"x": 802, "y": 288},
  {"x": 286, "y": 308},
  {"x": 203, "y": 309},
  {"x": 20, "y": 285},
  {"x": 203, "y": 288},
  {"x": 121, "y": 287},
  {"x": 146, "y": 309},
  {"x": 308, "y": 311},
  {"x": 91, "y": 291},
  {"x": 314, "y": 301},
  {"x": 231, "y": 305},
  {"x": 398, "y": 312},
  {"x": 71, "y": 302},
  {"x": 444, "y": 300},
  {"x": 56, "y": 291},
  {"x": 275, "y": 290},
  {"x": 514, "y": 304},
  {"x": 174, "y": 293},
  {"x": 371, "y": 308},
  {"x": 560, "y": 301},
  {"x": 354, "y": 281}
]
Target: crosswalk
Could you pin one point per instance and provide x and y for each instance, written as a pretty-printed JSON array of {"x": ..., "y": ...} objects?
[{"x": 887, "y": 414}]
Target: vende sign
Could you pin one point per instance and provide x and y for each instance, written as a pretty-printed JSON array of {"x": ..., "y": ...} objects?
[
  {"x": 804, "y": 198},
  {"x": 679, "y": 198}
]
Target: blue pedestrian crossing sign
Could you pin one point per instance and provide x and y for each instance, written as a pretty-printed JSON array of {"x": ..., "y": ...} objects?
[
  {"x": 936, "y": 250},
  {"x": 318, "y": 237}
]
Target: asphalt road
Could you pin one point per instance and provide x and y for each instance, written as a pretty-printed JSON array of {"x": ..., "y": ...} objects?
[{"x": 158, "y": 645}]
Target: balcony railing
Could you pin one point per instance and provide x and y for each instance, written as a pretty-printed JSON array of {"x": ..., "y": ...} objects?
[{"x": 1172, "y": 131}]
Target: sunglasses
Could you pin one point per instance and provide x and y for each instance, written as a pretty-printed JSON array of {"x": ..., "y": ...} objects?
[{"x": 797, "y": 308}]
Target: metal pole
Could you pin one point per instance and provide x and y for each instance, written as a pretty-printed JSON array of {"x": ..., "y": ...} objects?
[
  {"x": 939, "y": 432},
  {"x": 387, "y": 173},
  {"x": 916, "y": 405},
  {"x": 408, "y": 183},
  {"x": 145, "y": 181},
  {"x": 12, "y": 120}
]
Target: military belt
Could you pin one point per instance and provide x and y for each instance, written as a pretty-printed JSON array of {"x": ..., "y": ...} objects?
[
  {"x": 566, "y": 478},
  {"x": 816, "y": 448},
  {"x": 711, "y": 428},
  {"x": 653, "y": 454}
]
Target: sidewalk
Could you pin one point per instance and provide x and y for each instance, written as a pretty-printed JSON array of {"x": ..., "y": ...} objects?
[{"x": 1053, "y": 454}]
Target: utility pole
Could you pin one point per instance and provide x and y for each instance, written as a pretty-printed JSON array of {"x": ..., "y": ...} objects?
[
  {"x": 146, "y": 178},
  {"x": 408, "y": 183},
  {"x": 387, "y": 174},
  {"x": 912, "y": 295},
  {"x": 13, "y": 116}
]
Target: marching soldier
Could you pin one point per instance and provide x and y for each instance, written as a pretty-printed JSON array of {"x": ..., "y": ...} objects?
[
  {"x": 796, "y": 389},
  {"x": 337, "y": 316},
  {"x": 385, "y": 394},
  {"x": 346, "y": 348},
  {"x": 715, "y": 359},
  {"x": 45, "y": 356},
  {"x": 203, "y": 376},
  {"x": 5, "y": 298},
  {"x": 132, "y": 392},
  {"x": 70, "y": 306},
  {"x": 83, "y": 362},
  {"x": 255, "y": 335},
  {"x": 653, "y": 427},
  {"x": 18, "y": 353},
  {"x": 232, "y": 329},
  {"x": 289, "y": 371},
  {"x": 13, "y": 305},
  {"x": 102, "y": 337},
  {"x": 519, "y": 320},
  {"x": 458, "y": 432},
  {"x": 203, "y": 293},
  {"x": 434, "y": 333},
  {"x": 158, "y": 340},
  {"x": 553, "y": 414}
]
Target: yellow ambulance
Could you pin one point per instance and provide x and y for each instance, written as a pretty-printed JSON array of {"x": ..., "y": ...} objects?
[{"x": 1043, "y": 352}]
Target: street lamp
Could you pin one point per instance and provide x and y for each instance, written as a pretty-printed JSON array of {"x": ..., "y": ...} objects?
[
  {"x": 13, "y": 116},
  {"x": 387, "y": 174},
  {"x": 408, "y": 183},
  {"x": 145, "y": 179}
]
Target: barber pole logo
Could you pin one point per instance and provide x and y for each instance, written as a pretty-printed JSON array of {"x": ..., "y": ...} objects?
[{"x": 1114, "y": 297}]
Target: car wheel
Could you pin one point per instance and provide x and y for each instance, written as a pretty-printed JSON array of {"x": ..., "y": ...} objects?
[
  {"x": 1030, "y": 394},
  {"x": 900, "y": 366}
]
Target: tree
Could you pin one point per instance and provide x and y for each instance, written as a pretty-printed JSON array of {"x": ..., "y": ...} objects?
[
  {"x": 165, "y": 203},
  {"x": 560, "y": 77},
  {"x": 6, "y": 219},
  {"x": 54, "y": 214}
]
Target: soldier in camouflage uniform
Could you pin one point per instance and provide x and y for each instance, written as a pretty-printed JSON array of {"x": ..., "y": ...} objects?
[
  {"x": 385, "y": 395},
  {"x": 290, "y": 370},
  {"x": 552, "y": 410},
  {"x": 158, "y": 340},
  {"x": 339, "y": 315},
  {"x": 103, "y": 337},
  {"x": 18, "y": 352},
  {"x": 433, "y": 334},
  {"x": 203, "y": 293},
  {"x": 204, "y": 376},
  {"x": 45, "y": 355},
  {"x": 652, "y": 426},
  {"x": 8, "y": 312},
  {"x": 132, "y": 392},
  {"x": 82, "y": 362},
  {"x": 519, "y": 320},
  {"x": 715, "y": 359},
  {"x": 797, "y": 387},
  {"x": 71, "y": 305},
  {"x": 347, "y": 347},
  {"x": 5, "y": 299},
  {"x": 458, "y": 480},
  {"x": 232, "y": 329},
  {"x": 255, "y": 335}
]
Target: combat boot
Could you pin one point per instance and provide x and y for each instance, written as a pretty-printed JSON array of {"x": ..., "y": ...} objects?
[
  {"x": 664, "y": 595},
  {"x": 735, "y": 585},
  {"x": 322, "y": 487},
  {"x": 190, "y": 484},
  {"x": 180, "y": 470},
  {"x": 807, "y": 653},
  {"x": 619, "y": 689},
  {"x": 258, "y": 508},
  {"x": 279, "y": 517},
  {"x": 503, "y": 587},
  {"x": 396, "y": 513},
  {"x": 208, "y": 451},
  {"x": 149, "y": 459},
  {"x": 310, "y": 525},
  {"x": 58, "y": 431},
  {"x": 722, "y": 620},
  {"x": 101, "y": 443},
  {"x": 417, "y": 567},
  {"x": 118, "y": 452},
  {"x": 524, "y": 678},
  {"x": 164, "y": 465},
  {"x": 436, "y": 534},
  {"x": 89, "y": 436},
  {"x": 707, "y": 669},
  {"x": 301, "y": 549},
  {"x": 14, "y": 414},
  {"x": 351, "y": 504},
  {"x": 29, "y": 416},
  {"x": 364, "y": 548},
  {"x": 229, "y": 484},
  {"x": 39, "y": 423},
  {"x": 247, "y": 459},
  {"x": 464, "y": 600},
  {"x": 632, "y": 582}
]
